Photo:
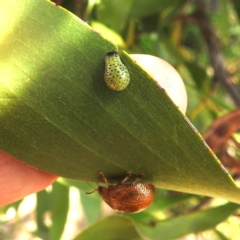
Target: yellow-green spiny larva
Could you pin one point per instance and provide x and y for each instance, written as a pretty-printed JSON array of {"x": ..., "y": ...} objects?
[{"x": 116, "y": 74}]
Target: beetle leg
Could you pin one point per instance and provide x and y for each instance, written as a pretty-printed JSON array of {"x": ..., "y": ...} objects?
[
  {"x": 126, "y": 178},
  {"x": 139, "y": 177},
  {"x": 104, "y": 178}
]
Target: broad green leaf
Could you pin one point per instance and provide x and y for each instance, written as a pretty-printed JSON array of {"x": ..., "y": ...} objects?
[
  {"x": 191, "y": 223},
  {"x": 57, "y": 114},
  {"x": 111, "y": 228}
]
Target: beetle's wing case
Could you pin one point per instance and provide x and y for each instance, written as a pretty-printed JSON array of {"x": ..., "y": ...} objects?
[{"x": 129, "y": 198}]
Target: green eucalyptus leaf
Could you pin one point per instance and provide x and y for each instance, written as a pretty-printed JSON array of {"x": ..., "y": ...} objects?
[
  {"x": 58, "y": 115},
  {"x": 187, "y": 224},
  {"x": 111, "y": 228}
]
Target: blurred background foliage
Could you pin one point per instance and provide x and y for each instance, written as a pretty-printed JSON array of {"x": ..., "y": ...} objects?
[{"x": 174, "y": 30}]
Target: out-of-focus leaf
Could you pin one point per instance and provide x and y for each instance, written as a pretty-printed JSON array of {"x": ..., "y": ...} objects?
[
  {"x": 220, "y": 235},
  {"x": 222, "y": 20},
  {"x": 191, "y": 223},
  {"x": 146, "y": 8},
  {"x": 198, "y": 74},
  {"x": 115, "y": 17},
  {"x": 111, "y": 228},
  {"x": 43, "y": 206},
  {"x": 236, "y": 5},
  {"x": 59, "y": 209},
  {"x": 58, "y": 115},
  {"x": 91, "y": 203},
  {"x": 91, "y": 207},
  {"x": 83, "y": 186},
  {"x": 108, "y": 34},
  {"x": 112, "y": 17}
]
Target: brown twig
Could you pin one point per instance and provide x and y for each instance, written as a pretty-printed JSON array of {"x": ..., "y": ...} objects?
[{"x": 216, "y": 57}]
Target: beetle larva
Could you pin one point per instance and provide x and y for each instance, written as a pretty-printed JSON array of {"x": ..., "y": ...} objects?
[{"x": 116, "y": 74}]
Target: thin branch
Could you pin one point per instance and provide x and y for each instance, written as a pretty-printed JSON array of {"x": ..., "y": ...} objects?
[{"x": 216, "y": 57}]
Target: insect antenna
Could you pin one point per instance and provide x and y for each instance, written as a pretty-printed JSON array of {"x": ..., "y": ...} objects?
[{"x": 92, "y": 187}]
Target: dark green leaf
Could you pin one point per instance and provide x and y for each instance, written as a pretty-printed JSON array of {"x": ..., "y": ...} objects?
[
  {"x": 111, "y": 228},
  {"x": 236, "y": 5},
  {"x": 43, "y": 206},
  {"x": 191, "y": 223},
  {"x": 58, "y": 115},
  {"x": 59, "y": 209}
]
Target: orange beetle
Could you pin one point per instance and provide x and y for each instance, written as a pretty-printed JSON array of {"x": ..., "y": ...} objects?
[{"x": 129, "y": 197}]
